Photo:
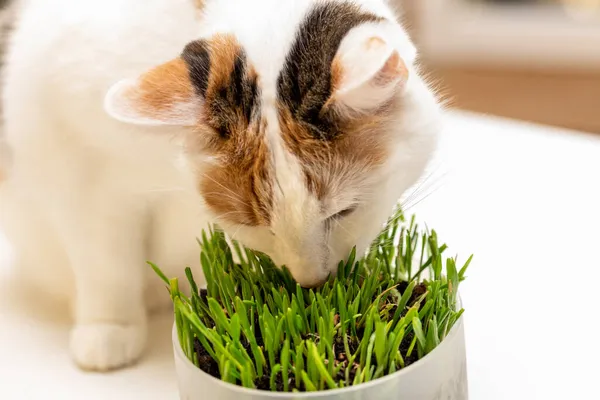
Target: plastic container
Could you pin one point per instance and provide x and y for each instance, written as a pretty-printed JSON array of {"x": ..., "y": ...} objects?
[{"x": 442, "y": 374}]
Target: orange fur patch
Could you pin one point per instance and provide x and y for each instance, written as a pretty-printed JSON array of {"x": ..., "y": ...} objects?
[
  {"x": 327, "y": 164},
  {"x": 337, "y": 74},
  {"x": 238, "y": 188},
  {"x": 160, "y": 89}
]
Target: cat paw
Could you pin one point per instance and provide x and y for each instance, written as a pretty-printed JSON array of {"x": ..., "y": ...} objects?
[{"x": 104, "y": 347}]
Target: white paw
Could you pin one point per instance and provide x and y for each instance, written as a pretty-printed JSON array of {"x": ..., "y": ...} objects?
[{"x": 102, "y": 347}]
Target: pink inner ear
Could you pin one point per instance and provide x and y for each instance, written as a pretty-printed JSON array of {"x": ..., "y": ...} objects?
[
  {"x": 379, "y": 81},
  {"x": 394, "y": 70}
]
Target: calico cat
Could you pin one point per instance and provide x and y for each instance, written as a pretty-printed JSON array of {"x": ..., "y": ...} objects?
[{"x": 134, "y": 124}]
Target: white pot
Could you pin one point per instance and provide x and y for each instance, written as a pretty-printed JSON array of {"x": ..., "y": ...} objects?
[{"x": 441, "y": 375}]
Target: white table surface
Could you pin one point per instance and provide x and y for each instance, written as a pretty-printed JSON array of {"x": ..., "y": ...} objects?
[{"x": 524, "y": 198}]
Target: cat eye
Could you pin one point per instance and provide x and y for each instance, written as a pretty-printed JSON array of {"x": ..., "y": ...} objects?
[{"x": 344, "y": 213}]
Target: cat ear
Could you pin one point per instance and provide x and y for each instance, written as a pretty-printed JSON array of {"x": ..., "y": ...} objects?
[
  {"x": 367, "y": 69},
  {"x": 161, "y": 96}
]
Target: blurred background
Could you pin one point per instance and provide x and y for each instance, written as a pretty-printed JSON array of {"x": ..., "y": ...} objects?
[{"x": 534, "y": 60}]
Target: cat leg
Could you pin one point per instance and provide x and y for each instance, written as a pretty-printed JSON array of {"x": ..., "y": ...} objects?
[{"x": 105, "y": 241}]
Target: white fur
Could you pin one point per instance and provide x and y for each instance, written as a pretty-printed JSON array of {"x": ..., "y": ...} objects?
[{"x": 89, "y": 198}]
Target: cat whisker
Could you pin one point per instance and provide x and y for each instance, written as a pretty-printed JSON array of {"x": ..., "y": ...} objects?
[
  {"x": 236, "y": 196},
  {"x": 423, "y": 186},
  {"x": 416, "y": 201},
  {"x": 338, "y": 223},
  {"x": 234, "y": 212},
  {"x": 228, "y": 196}
]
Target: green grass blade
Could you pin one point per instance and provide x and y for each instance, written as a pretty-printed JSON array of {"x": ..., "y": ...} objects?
[{"x": 159, "y": 272}]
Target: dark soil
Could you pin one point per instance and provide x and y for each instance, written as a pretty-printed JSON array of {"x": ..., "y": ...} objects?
[
  {"x": 210, "y": 366},
  {"x": 204, "y": 295},
  {"x": 418, "y": 291},
  {"x": 404, "y": 349},
  {"x": 206, "y": 362}
]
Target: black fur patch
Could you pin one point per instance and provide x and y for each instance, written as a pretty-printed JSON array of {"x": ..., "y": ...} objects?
[
  {"x": 304, "y": 84},
  {"x": 232, "y": 102},
  {"x": 197, "y": 57},
  {"x": 242, "y": 93}
]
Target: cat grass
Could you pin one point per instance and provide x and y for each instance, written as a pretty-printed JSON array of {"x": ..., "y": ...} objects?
[{"x": 254, "y": 326}]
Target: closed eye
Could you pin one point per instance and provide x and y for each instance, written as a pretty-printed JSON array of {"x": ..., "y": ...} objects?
[{"x": 344, "y": 213}]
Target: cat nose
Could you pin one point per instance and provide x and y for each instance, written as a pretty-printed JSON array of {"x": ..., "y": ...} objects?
[
  {"x": 313, "y": 282},
  {"x": 309, "y": 274}
]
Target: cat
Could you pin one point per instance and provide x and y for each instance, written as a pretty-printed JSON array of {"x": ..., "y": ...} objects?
[{"x": 134, "y": 124}]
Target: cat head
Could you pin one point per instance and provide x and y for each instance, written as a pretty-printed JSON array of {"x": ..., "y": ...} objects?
[{"x": 304, "y": 122}]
